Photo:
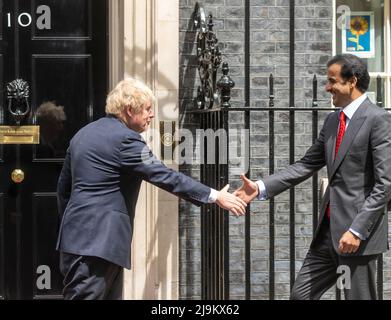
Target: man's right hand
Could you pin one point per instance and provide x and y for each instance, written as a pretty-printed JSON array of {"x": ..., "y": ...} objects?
[
  {"x": 230, "y": 202},
  {"x": 248, "y": 191}
]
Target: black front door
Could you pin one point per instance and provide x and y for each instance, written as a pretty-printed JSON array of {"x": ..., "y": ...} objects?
[{"x": 58, "y": 50}]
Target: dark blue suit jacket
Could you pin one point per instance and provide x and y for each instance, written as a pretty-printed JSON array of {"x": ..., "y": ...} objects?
[{"x": 99, "y": 186}]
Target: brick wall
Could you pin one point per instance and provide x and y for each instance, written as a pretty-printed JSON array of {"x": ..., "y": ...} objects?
[{"x": 269, "y": 53}]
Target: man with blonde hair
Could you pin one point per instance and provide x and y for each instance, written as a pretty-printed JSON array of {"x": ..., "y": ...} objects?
[{"x": 98, "y": 190}]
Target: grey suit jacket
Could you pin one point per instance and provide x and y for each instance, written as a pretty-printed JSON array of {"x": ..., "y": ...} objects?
[
  {"x": 359, "y": 177},
  {"x": 99, "y": 186}
]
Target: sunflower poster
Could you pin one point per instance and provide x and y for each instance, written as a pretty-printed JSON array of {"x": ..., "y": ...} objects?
[{"x": 358, "y": 38}]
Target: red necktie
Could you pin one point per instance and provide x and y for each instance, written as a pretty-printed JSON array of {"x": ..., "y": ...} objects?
[{"x": 341, "y": 132}]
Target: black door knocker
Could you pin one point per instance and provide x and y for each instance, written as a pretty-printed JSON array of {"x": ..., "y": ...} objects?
[{"x": 18, "y": 94}]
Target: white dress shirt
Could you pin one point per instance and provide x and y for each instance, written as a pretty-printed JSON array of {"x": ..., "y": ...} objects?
[{"x": 212, "y": 196}]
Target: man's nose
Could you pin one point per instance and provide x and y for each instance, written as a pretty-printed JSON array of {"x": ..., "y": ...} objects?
[{"x": 328, "y": 87}]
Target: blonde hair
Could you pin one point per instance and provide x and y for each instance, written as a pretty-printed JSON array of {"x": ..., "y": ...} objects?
[{"x": 128, "y": 92}]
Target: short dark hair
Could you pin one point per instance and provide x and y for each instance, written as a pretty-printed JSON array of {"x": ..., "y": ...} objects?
[{"x": 351, "y": 66}]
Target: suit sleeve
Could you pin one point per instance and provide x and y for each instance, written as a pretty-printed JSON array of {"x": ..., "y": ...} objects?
[
  {"x": 375, "y": 203},
  {"x": 313, "y": 160},
  {"x": 137, "y": 159},
  {"x": 64, "y": 185}
]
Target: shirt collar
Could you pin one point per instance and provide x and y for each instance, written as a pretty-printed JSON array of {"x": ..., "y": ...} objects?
[{"x": 351, "y": 108}]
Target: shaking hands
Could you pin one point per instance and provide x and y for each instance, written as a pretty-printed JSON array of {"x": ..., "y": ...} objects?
[
  {"x": 231, "y": 202},
  {"x": 237, "y": 202},
  {"x": 248, "y": 191}
]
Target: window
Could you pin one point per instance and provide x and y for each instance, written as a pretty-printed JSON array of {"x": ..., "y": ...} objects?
[{"x": 367, "y": 34}]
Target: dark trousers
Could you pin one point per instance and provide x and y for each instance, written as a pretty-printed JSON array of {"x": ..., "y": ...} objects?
[
  {"x": 90, "y": 278},
  {"x": 322, "y": 266}
]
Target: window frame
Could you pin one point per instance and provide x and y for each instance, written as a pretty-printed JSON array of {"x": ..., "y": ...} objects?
[{"x": 386, "y": 74}]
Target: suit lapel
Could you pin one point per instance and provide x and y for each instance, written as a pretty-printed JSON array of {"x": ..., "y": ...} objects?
[
  {"x": 332, "y": 134},
  {"x": 350, "y": 133}
]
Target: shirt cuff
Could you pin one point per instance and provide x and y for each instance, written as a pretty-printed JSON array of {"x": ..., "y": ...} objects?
[
  {"x": 357, "y": 234},
  {"x": 213, "y": 196},
  {"x": 262, "y": 195}
]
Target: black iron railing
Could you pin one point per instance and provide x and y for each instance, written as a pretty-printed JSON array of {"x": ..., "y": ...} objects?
[{"x": 212, "y": 108}]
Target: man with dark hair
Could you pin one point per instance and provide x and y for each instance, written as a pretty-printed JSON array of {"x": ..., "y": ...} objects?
[
  {"x": 355, "y": 145},
  {"x": 352, "y": 66}
]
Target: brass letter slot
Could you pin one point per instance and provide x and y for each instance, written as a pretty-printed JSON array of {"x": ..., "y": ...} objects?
[{"x": 19, "y": 134}]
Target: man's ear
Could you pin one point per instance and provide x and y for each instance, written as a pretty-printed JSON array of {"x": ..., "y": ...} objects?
[
  {"x": 128, "y": 111},
  {"x": 353, "y": 82}
]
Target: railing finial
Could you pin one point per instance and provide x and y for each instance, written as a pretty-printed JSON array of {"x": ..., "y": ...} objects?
[
  {"x": 209, "y": 61},
  {"x": 314, "y": 92},
  {"x": 225, "y": 84}
]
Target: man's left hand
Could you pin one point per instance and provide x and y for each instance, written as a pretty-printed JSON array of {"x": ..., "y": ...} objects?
[{"x": 349, "y": 243}]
